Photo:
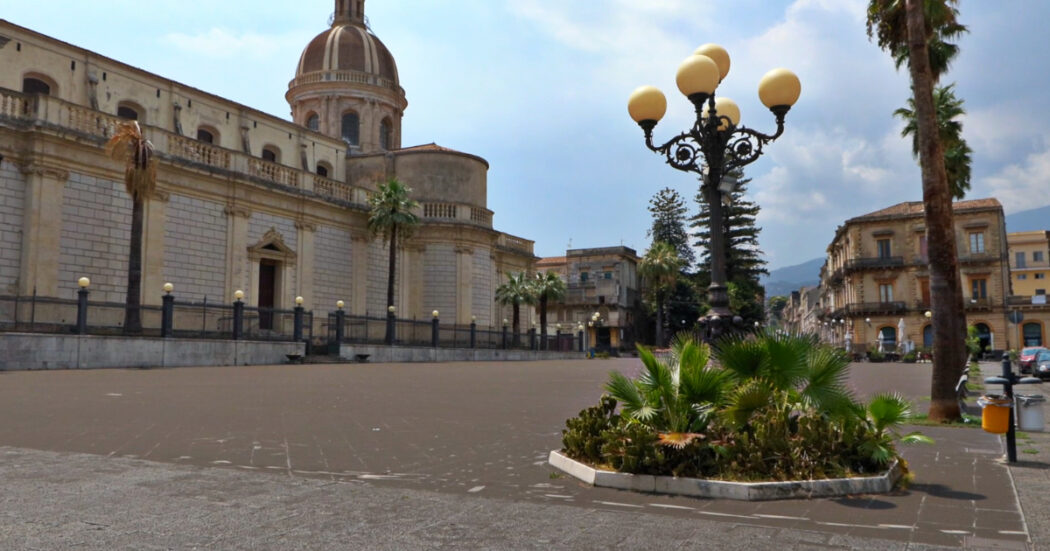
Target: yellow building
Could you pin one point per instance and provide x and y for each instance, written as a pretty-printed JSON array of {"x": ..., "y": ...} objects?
[
  {"x": 876, "y": 286},
  {"x": 245, "y": 200},
  {"x": 1030, "y": 278}
]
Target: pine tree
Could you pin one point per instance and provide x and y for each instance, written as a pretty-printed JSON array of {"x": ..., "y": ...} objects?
[
  {"x": 744, "y": 261},
  {"x": 668, "y": 210}
]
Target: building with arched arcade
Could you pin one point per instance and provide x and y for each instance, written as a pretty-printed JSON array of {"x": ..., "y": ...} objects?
[{"x": 245, "y": 200}]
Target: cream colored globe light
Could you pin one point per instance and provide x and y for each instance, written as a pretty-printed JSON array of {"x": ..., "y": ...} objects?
[
  {"x": 434, "y": 313},
  {"x": 391, "y": 308},
  {"x": 779, "y": 88},
  {"x": 724, "y": 107},
  {"x": 298, "y": 301},
  {"x": 238, "y": 294},
  {"x": 698, "y": 74},
  {"x": 83, "y": 282},
  {"x": 168, "y": 287},
  {"x": 717, "y": 54},
  {"x": 339, "y": 304},
  {"x": 647, "y": 103}
]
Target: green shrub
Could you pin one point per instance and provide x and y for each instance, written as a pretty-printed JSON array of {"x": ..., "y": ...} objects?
[
  {"x": 875, "y": 355},
  {"x": 910, "y": 357},
  {"x": 582, "y": 437}
]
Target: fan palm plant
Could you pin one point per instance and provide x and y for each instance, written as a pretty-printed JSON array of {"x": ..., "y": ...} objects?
[
  {"x": 392, "y": 217},
  {"x": 547, "y": 287},
  {"x": 129, "y": 146},
  {"x": 517, "y": 290},
  {"x": 883, "y": 415}
]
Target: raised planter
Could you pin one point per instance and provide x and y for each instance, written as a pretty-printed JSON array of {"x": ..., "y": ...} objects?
[{"x": 744, "y": 491}]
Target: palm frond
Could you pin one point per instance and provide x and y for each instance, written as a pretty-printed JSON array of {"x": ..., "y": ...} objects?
[
  {"x": 626, "y": 392},
  {"x": 886, "y": 411},
  {"x": 746, "y": 399},
  {"x": 129, "y": 146}
]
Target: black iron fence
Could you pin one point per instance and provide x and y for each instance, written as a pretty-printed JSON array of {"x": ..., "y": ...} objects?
[
  {"x": 354, "y": 329},
  {"x": 204, "y": 319}
]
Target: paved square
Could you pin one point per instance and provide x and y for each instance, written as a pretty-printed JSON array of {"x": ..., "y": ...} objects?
[{"x": 474, "y": 430}]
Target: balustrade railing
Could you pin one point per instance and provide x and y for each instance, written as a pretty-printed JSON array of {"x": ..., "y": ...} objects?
[
  {"x": 278, "y": 174},
  {"x": 515, "y": 243},
  {"x": 186, "y": 148},
  {"x": 14, "y": 104}
]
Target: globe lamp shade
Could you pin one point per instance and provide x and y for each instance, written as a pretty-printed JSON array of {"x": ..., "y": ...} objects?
[
  {"x": 647, "y": 103},
  {"x": 717, "y": 54},
  {"x": 779, "y": 88},
  {"x": 725, "y": 107},
  {"x": 698, "y": 74}
]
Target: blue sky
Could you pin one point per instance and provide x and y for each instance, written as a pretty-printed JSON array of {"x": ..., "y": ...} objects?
[{"x": 539, "y": 89}]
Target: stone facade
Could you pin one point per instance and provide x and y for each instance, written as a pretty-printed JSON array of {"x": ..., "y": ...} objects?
[
  {"x": 1030, "y": 279},
  {"x": 245, "y": 201}
]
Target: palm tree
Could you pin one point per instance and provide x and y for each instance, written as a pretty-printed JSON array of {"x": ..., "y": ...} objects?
[
  {"x": 660, "y": 268},
  {"x": 392, "y": 217},
  {"x": 516, "y": 291},
  {"x": 949, "y": 129},
  {"x": 887, "y": 24},
  {"x": 547, "y": 287},
  {"x": 129, "y": 146}
]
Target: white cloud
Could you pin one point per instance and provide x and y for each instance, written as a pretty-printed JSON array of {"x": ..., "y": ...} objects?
[
  {"x": 226, "y": 44},
  {"x": 1023, "y": 185}
]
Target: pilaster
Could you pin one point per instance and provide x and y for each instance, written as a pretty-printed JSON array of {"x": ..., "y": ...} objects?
[
  {"x": 41, "y": 229},
  {"x": 156, "y": 208},
  {"x": 304, "y": 276},
  {"x": 237, "y": 269},
  {"x": 464, "y": 284},
  {"x": 359, "y": 243},
  {"x": 410, "y": 282}
]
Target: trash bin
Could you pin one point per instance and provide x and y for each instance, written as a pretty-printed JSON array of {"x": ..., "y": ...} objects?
[
  {"x": 1030, "y": 412},
  {"x": 995, "y": 413}
]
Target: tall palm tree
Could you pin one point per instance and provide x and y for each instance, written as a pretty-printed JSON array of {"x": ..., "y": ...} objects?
[
  {"x": 129, "y": 146},
  {"x": 392, "y": 217},
  {"x": 547, "y": 287},
  {"x": 660, "y": 267},
  {"x": 517, "y": 290},
  {"x": 910, "y": 25},
  {"x": 949, "y": 129}
]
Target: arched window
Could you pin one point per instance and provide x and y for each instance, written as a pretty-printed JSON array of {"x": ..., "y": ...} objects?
[
  {"x": 888, "y": 338},
  {"x": 31, "y": 85},
  {"x": 206, "y": 135},
  {"x": 385, "y": 134},
  {"x": 313, "y": 122},
  {"x": 1033, "y": 334},
  {"x": 323, "y": 169},
  {"x": 128, "y": 111},
  {"x": 927, "y": 336},
  {"x": 351, "y": 128},
  {"x": 270, "y": 153}
]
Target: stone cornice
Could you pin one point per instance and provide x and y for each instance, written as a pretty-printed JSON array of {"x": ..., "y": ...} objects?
[
  {"x": 39, "y": 169},
  {"x": 233, "y": 210}
]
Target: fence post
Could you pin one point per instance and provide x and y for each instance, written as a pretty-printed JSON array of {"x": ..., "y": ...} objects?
[
  {"x": 167, "y": 312},
  {"x": 340, "y": 320},
  {"x": 557, "y": 339},
  {"x": 391, "y": 326},
  {"x": 579, "y": 335},
  {"x": 434, "y": 330},
  {"x": 473, "y": 332},
  {"x": 504, "y": 334},
  {"x": 297, "y": 321},
  {"x": 82, "y": 305},
  {"x": 238, "y": 314},
  {"x": 532, "y": 339}
]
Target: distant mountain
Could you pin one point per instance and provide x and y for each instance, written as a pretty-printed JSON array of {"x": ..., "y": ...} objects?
[
  {"x": 1029, "y": 220},
  {"x": 789, "y": 278}
]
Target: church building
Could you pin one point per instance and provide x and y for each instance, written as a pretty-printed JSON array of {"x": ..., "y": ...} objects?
[{"x": 245, "y": 200}]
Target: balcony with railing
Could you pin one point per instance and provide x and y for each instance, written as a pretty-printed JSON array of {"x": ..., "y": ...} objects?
[
  {"x": 978, "y": 303},
  {"x": 875, "y": 262},
  {"x": 876, "y": 308},
  {"x": 979, "y": 258}
]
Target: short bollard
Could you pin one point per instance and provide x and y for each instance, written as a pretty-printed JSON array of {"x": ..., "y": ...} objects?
[{"x": 1008, "y": 379}]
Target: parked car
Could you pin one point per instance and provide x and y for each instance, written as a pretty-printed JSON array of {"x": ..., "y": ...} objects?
[
  {"x": 1027, "y": 358},
  {"x": 1041, "y": 366}
]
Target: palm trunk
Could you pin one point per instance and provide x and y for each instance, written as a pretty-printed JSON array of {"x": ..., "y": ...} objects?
[
  {"x": 133, "y": 299},
  {"x": 390, "y": 277},
  {"x": 659, "y": 322},
  {"x": 949, "y": 316},
  {"x": 543, "y": 322},
  {"x": 516, "y": 325}
]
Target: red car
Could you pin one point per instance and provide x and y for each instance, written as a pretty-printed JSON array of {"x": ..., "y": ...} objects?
[{"x": 1027, "y": 357}]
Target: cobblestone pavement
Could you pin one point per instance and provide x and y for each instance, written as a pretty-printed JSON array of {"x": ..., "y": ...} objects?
[{"x": 419, "y": 456}]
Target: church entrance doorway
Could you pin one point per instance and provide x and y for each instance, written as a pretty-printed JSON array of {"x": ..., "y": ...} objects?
[{"x": 267, "y": 292}]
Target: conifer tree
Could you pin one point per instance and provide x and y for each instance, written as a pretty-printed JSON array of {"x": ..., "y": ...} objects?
[
  {"x": 744, "y": 261},
  {"x": 668, "y": 210}
]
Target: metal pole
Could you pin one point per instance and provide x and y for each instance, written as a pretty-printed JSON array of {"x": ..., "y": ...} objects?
[
  {"x": 434, "y": 332},
  {"x": 579, "y": 335},
  {"x": 297, "y": 324},
  {"x": 340, "y": 320},
  {"x": 532, "y": 339},
  {"x": 82, "y": 306},
  {"x": 504, "y": 337},
  {"x": 390, "y": 328},
  {"x": 167, "y": 315},
  {"x": 238, "y": 319},
  {"x": 473, "y": 334},
  {"x": 1011, "y": 429}
]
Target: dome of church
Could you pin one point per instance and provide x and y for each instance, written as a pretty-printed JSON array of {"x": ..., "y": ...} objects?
[{"x": 344, "y": 48}]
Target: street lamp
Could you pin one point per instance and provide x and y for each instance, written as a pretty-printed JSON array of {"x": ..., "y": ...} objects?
[{"x": 715, "y": 146}]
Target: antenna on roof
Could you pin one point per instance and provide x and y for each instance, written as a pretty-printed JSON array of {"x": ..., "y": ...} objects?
[{"x": 569, "y": 246}]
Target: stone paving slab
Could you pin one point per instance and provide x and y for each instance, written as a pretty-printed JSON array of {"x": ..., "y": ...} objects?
[{"x": 461, "y": 433}]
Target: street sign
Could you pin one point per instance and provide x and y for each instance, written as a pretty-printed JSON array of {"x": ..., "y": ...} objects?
[{"x": 1016, "y": 317}]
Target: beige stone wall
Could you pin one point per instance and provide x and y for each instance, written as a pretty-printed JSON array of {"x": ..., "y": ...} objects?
[
  {"x": 96, "y": 224},
  {"x": 439, "y": 264},
  {"x": 483, "y": 288},
  {"x": 12, "y": 199},
  {"x": 195, "y": 248},
  {"x": 333, "y": 268},
  {"x": 378, "y": 262},
  {"x": 443, "y": 177}
]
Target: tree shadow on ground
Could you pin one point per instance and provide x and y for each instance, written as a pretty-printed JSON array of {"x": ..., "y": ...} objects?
[
  {"x": 864, "y": 503},
  {"x": 940, "y": 490}
]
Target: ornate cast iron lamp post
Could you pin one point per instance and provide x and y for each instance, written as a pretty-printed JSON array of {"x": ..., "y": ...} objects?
[{"x": 715, "y": 146}]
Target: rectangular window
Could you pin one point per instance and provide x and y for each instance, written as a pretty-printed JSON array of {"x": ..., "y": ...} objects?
[
  {"x": 1022, "y": 276},
  {"x": 923, "y": 251},
  {"x": 977, "y": 242},
  {"x": 583, "y": 276},
  {"x": 1037, "y": 256},
  {"x": 1040, "y": 276},
  {"x": 884, "y": 248},
  {"x": 924, "y": 289},
  {"x": 978, "y": 288},
  {"x": 886, "y": 293},
  {"x": 1019, "y": 260},
  {"x": 608, "y": 275}
]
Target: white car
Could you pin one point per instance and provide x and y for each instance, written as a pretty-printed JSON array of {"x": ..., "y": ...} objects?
[{"x": 1041, "y": 365}]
